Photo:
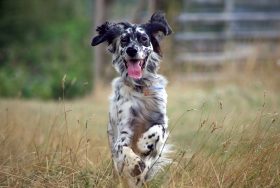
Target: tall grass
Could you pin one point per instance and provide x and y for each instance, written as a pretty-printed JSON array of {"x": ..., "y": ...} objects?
[
  {"x": 222, "y": 155},
  {"x": 226, "y": 135},
  {"x": 50, "y": 145}
]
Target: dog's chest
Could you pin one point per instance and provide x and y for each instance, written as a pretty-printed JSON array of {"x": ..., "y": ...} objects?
[
  {"x": 133, "y": 111},
  {"x": 127, "y": 104}
]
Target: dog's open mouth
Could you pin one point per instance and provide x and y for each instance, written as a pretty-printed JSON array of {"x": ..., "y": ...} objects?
[{"x": 135, "y": 67}]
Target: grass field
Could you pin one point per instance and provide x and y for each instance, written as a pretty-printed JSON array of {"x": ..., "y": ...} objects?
[{"x": 224, "y": 135}]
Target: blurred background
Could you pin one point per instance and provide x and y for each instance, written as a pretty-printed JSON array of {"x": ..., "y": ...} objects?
[{"x": 41, "y": 42}]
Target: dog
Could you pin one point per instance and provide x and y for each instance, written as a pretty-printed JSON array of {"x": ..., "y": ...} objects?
[{"x": 138, "y": 123}]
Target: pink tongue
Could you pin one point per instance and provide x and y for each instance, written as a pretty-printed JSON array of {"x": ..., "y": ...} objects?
[{"x": 134, "y": 69}]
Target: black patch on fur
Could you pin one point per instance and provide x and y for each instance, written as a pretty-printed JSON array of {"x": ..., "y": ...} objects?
[
  {"x": 137, "y": 181},
  {"x": 150, "y": 147},
  {"x": 138, "y": 169},
  {"x": 163, "y": 130},
  {"x": 157, "y": 140},
  {"x": 124, "y": 132},
  {"x": 118, "y": 97},
  {"x": 152, "y": 135}
]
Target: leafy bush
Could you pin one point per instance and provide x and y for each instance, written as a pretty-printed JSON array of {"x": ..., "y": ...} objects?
[{"x": 42, "y": 41}]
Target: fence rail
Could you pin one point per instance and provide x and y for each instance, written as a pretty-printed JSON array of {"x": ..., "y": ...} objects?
[
  {"x": 206, "y": 24},
  {"x": 238, "y": 35},
  {"x": 229, "y": 17}
]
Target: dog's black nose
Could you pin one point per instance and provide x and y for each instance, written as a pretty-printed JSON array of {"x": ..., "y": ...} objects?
[{"x": 131, "y": 51}]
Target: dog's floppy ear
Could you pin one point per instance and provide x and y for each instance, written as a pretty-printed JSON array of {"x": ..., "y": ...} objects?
[
  {"x": 157, "y": 28},
  {"x": 106, "y": 32}
]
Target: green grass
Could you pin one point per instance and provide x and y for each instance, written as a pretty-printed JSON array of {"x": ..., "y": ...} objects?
[{"x": 226, "y": 135}]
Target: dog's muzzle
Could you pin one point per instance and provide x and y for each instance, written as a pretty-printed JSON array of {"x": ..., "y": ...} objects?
[{"x": 134, "y": 63}]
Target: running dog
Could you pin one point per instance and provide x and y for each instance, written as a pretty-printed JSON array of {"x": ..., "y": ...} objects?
[{"x": 137, "y": 129}]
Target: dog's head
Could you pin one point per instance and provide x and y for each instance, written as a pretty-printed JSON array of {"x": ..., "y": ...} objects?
[{"x": 135, "y": 47}]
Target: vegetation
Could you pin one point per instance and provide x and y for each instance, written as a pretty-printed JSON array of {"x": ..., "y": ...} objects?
[
  {"x": 224, "y": 135},
  {"x": 40, "y": 42}
]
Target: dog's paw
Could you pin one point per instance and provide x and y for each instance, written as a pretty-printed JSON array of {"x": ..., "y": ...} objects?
[
  {"x": 134, "y": 165},
  {"x": 151, "y": 140},
  {"x": 139, "y": 167}
]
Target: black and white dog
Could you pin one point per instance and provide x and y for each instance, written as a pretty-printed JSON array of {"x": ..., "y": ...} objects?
[{"x": 138, "y": 124}]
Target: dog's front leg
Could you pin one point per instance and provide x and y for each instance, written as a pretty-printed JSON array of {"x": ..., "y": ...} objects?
[
  {"x": 153, "y": 140},
  {"x": 127, "y": 162},
  {"x": 129, "y": 165}
]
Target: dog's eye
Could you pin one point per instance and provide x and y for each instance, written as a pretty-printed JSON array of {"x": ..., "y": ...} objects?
[
  {"x": 124, "y": 40},
  {"x": 144, "y": 38}
]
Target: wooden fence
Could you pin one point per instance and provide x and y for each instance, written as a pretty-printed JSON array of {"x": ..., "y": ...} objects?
[{"x": 213, "y": 32}]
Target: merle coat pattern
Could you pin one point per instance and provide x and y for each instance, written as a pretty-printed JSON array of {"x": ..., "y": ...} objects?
[{"x": 137, "y": 129}]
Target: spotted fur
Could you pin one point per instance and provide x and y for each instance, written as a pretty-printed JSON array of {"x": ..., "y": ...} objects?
[{"x": 137, "y": 129}]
